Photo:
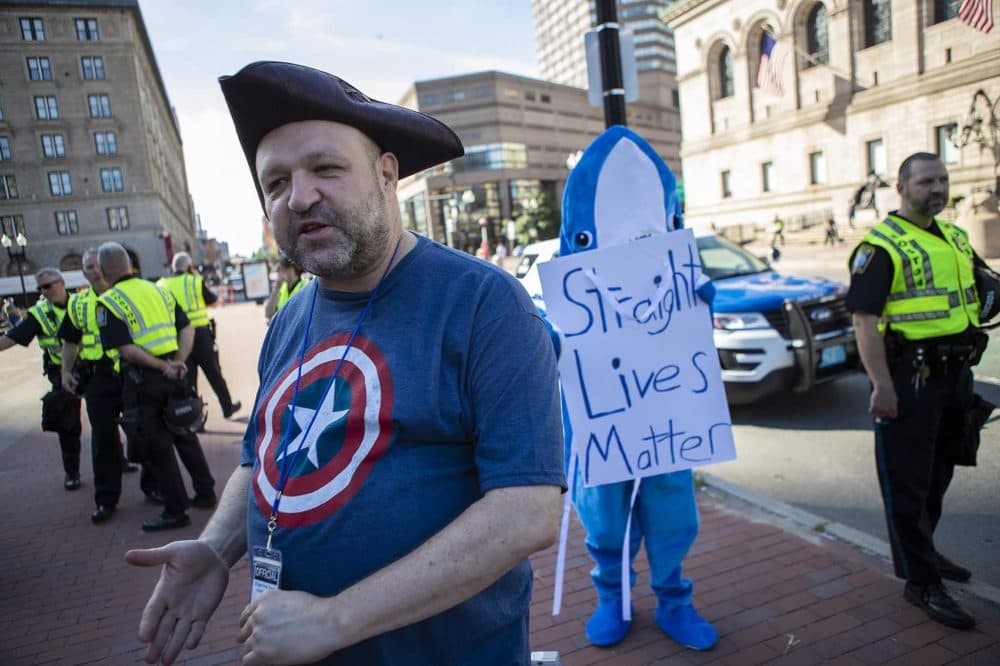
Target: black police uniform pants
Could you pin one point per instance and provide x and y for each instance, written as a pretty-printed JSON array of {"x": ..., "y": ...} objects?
[
  {"x": 914, "y": 455},
  {"x": 103, "y": 396},
  {"x": 153, "y": 445},
  {"x": 69, "y": 439},
  {"x": 205, "y": 356}
]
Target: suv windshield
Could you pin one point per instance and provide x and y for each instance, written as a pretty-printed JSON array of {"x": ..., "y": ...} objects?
[{"x": 722, "y": 259}]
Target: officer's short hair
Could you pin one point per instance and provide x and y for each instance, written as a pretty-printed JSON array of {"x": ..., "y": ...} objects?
[
  {"x": 49, "y": 273},
  {"x": 113, "y": 259},
  {"x": 907, "y": 165},
  {"x": 181, "y": 261}
]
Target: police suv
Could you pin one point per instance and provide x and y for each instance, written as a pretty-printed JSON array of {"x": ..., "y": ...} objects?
[{"x": 773, "y": 332}]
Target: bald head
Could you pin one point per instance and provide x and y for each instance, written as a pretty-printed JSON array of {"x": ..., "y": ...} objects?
[
  {"x": 181, "y": 262},
  {"x": 114, "y": 261}
]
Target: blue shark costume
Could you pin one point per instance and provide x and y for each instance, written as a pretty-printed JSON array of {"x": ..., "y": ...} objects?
[{"x": 621, "y": 191}]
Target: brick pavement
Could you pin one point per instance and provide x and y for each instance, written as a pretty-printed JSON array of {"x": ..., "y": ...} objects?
[
  {"x": 68, "y": 598},
  {"x": 776, "y": 594}
]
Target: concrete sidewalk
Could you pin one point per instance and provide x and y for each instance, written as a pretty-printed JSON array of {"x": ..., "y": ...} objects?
[{"x": 776, "y": 593}]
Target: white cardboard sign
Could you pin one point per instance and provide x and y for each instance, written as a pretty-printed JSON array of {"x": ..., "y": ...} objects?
[{"x": 639, "y": 368}]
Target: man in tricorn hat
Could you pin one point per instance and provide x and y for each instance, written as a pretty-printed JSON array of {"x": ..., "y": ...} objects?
[{"x": 404, "y": 454}]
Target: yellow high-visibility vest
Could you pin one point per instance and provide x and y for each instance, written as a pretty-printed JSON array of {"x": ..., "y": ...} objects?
[
  {"x": 148, "y": 311},
  {"x": 49, "y": 316},
  {"x": 933, "y": 290},
  {"x": 81, "y": 311},
  {"x": 186, "y": 290}
]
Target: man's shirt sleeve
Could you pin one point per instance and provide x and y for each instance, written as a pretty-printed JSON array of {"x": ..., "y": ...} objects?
[
  {"x": 871, "y": 279},
  {"x": 26, "y": 330},
  {"x": 69, "y": 332},
  {"x": 208, "y": 294},
  {"x": 182, "y": 320}
]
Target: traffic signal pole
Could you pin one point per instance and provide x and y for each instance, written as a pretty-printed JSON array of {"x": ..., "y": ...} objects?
[{"x": 612, "y": 86}]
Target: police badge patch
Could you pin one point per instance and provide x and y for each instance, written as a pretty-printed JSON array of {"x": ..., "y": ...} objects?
[
  {"x": 862, "y": 257},
  {"x": 102, "y": 316}
]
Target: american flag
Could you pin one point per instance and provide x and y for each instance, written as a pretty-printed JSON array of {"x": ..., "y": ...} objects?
[
  {"x": 977, "y": 13},
  {"x": 772, "y": 59}
]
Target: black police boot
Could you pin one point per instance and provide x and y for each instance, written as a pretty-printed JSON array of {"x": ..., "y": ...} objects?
[
  {"x": 938, "y": 605},
  {"x": 72, "y": 482},
  {"x": 102, "y": 513},
  {"x": 166, "y": 521},
  {"x": 235, "y": 407},
  {"x": 951, "y": 571}
]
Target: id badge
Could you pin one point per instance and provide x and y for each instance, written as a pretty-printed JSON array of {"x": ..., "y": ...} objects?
[{"x": 266, "y": 571}]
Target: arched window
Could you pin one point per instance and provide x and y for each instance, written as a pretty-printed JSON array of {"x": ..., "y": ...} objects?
[
  {"x": 817, "y": 38},
  {"x": 878, "y": 22},
  {"x": 725, "y": 73},
  {"x": 945, "y": 9}
]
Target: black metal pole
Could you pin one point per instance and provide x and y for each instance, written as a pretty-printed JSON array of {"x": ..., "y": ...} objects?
[
  {"x": 20, "y": 274},
  {"x": 612, "y": 86}
]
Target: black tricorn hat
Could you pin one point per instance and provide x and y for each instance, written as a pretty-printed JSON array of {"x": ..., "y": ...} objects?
[{"x": 265, "y": 95}]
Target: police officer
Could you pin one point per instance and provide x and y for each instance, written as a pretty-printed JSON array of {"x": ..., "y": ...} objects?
[
  {"x": 60, "y": 410},
  {"x": 189, "y": 290},
  {"x": 289, "y": 283},
  {"x": 154, "y": 338},
  {"x": 98, "y": 380},
  {"x": 916, "y": 316}
]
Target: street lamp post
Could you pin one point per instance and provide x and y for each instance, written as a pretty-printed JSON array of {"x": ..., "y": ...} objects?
[{"x": 16, "y": 250}]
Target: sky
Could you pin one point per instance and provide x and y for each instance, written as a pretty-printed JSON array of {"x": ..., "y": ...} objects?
[{"x": 379, "y": 46}]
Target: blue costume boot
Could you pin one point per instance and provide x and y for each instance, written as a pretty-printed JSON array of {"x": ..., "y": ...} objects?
[
  {"x": 606, "y": 626},
  {"x": 685, "y": 626}
]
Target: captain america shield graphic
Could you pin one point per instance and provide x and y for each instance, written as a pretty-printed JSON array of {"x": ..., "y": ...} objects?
[{"x": 335, "y": 436}]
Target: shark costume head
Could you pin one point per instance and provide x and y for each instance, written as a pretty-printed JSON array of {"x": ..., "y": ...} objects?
[{"x": 619, "y": 191}]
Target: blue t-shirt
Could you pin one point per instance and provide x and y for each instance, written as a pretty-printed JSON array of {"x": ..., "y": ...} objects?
[{"x": 449, "y": 390}]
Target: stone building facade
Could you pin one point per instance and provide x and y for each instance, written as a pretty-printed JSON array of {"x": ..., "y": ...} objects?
[
  {"x": 91, "y": 150},
  {"x": 518, "y": 134},
  {"x": 865, "y": 83}
]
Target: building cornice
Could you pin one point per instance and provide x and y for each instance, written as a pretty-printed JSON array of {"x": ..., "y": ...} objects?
[{"x": 687, "y": 11}]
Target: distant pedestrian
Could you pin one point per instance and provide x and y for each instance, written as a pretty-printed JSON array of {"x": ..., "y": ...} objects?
[
  {"x": 779, "y": 232},
  {"x": 832, "y": 236}
]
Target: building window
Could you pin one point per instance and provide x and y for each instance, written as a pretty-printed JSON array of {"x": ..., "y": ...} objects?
[
  {"x": 677, "y": 98},
  {"x": 946, "y": 148},
  {"x": 766, "y": 176},
  {"x": 100, "y": 106},
  {"x": 544, "y": 99},
  {"x": 725, "y": 73},
  {"x": 117, "y": 218},
  {"x": 32, "y": 30},
  {"x": 46, "y": 107},
  {"x": 60, "y": 184},
  {"x": 727, "y": 184},
  {"x": 878, "y": 22},
  {"x": 8, "y": 186},
  {"x": 817, "y": 37},
  {"x": 93, "y": 68},
  {"x": 53, "y": 145},
  {"x": 39, "y": 69},
  {"x": 111, "y": 180},
  {"x": 66, "y": 223},
  {"x": 817, "y": 168},
  {"x": 105, "y": 143},
  {"x": 875, "y": 150},
  {"x": 86, "y": 30},
  {"x": 945, "y": 10},
  {"x": 4, "y": 149},
  {"x": 493, "y": 156}
]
